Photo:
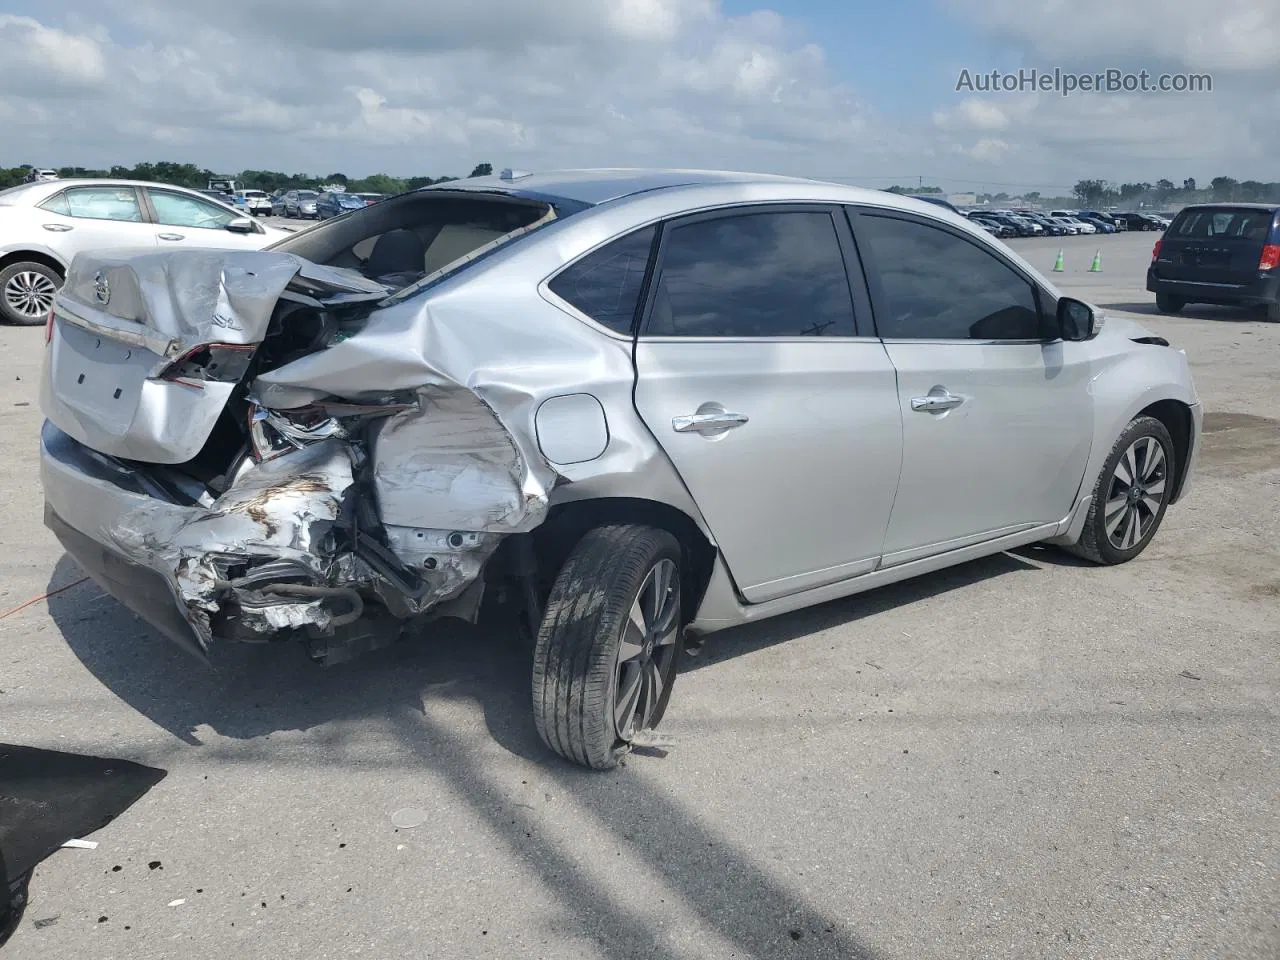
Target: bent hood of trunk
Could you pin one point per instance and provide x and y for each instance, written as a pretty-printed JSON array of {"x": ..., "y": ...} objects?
[{"x": 185, "y": 298}]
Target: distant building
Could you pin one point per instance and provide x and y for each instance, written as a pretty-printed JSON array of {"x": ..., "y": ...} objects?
[{"x": 963, "y": 199}]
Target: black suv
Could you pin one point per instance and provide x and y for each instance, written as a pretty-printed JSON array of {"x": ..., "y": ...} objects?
[
  {"x": 1225, "y": 253},
  {"x": 1138, "y": 221}
]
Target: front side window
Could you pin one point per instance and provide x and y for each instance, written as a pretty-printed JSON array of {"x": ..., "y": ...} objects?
[
  {"x": 103, "y": 203},
  {"x": 753, "y": 275},
  {"x": 180, "y": 210},
  {"x": 938, "y": 286},
  {"x": 606, "y": 284}
]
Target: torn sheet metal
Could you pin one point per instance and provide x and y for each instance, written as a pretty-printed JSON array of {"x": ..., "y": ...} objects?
[
  {"x": 182, "y": 298},
  {"x": 456, "y": 461},
  {"x": 279, "y": 511}
]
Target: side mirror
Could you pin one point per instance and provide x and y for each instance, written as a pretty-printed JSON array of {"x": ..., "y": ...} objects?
[
  {"x": 1077, "y": 320},
  {"x": 241, "y": 225}
]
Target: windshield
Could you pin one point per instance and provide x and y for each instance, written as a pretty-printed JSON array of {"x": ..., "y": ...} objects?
[
  {"x": 408, "y": 238},
  {"x": 307, "y": 195}
]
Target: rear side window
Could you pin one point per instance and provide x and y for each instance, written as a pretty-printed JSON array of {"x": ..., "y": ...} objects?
[
  {"x": 57, "y": 204},
  {"x": 1239, "y": 224},
  {"x": 753, "y": 275},
  {"x": 104, "y": 203},
  {"x": 937, "y": 286},
  {"x": 606, "y": 285}
]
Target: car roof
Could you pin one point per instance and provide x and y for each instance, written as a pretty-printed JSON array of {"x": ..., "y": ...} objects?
[
  {"x": 595, "y": 186},
  {"x": 1228, "y": 206}
]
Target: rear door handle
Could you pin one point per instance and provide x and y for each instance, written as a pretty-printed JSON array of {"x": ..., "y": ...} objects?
[
  {"x": 708, "y": 422},
  {"x": 170, "y": 236},
  {"x": 935, "y": 402}
]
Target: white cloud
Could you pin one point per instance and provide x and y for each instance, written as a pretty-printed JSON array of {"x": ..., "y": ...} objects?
[
  {"x": 31, "y": 49},
  {"x": 308, "y": 85},
  {"x": 1225, "y": 34}
]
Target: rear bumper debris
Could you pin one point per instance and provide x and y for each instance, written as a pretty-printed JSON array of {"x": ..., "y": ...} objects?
[{"x": 294, "y": 546}]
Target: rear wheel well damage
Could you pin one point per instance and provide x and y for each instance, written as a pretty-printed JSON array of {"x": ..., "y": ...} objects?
[
  {"x": 31, "y": 256},
  {"x": 566, "y": 523},
  {"x": 1176, "y": 416}
]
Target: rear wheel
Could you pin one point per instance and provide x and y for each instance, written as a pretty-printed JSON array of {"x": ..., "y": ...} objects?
[
  {"x": 1167, "y": 303},
  {"x": 1131, "y": 495},
  {"x": 609, "y": 643},
  {"x": 1270, "y": 311},
  {"x": 27, "y": 290}
]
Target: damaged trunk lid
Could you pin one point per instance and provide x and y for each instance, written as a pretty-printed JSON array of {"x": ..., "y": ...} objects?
[{"x": 146, "y": 351}]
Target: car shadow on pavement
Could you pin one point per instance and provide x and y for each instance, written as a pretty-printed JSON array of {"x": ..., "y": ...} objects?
[
  {"x": 751, "y": 637},
  {"x": 1192, "y": 311},
  {"x": 255, "y": 690}
]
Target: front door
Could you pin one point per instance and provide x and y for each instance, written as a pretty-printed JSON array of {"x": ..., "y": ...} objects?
[
  {"x": 782, "y": 421},
  {"x": 997, "y": 417},
  {"x": 186, "y": 221}
]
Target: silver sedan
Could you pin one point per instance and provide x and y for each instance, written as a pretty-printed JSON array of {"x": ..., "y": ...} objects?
[{"x": 632, "y": 407}]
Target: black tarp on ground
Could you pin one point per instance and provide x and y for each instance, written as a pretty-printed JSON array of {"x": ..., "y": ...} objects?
[{"x": 48, "y": 798}]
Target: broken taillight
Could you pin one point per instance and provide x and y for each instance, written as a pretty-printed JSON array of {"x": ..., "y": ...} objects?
[
  {"x": 272, "y": 432},
  {"x": 1270, "y": 258},
  {"x": 211, "y": 362},
  {"x": 48, "y": 328}
]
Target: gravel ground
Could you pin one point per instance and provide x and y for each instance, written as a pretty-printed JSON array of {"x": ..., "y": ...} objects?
[{"x": 1022, "y": 757}]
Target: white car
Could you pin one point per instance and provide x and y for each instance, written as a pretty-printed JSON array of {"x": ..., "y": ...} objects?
[
  {"x": 43, "y": 225},
  {"x": 256, "y": 203},
  {"x": 1084, "y": 226},
  {"x": 1071, "y": 226}
]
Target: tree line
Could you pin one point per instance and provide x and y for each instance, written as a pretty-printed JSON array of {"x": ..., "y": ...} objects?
[
  {"x": 189, "y": 175},
  {"x": 1166, "y": 193}
]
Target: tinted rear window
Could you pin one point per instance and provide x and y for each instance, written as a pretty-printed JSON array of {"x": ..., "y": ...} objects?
[{"x": 1218, "y": 222}]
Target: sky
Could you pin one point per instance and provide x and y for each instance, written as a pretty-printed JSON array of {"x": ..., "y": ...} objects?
[{"x": 863, "y": 92}]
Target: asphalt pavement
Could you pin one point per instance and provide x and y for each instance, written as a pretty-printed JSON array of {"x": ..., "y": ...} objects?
[{"x": 1022, "y": 757}]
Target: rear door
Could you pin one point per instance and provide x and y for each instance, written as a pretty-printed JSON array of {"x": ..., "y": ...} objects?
[
  {"x": 182, "y": 220},
  {"x": 86, "y": 219},
  {"x": 997, "y": 416},
  {"x": 1214, "y": 245},
  {"x": 778, "y": 410}
]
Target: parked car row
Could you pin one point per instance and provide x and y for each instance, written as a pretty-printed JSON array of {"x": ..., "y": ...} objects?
[
  {"x": 317, "y": 205},
  {"x": 1060, "y": 223}
]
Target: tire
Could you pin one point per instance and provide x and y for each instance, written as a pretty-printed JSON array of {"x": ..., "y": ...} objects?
[
  {"x": 1270, "y": 311},
  {"x": 1167, "y": 303},
  {"x": 27, "y": 289},
  {"x": 1157, "y": 478},
  {"x": 587, "y": 653}
]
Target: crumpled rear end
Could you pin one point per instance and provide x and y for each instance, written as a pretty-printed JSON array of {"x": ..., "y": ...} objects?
[{"x": 349, "y": 482}]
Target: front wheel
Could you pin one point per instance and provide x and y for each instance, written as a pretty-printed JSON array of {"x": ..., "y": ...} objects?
[
  {"x": 1131, "y": 495},
  {"x": 609, "y": 644}
]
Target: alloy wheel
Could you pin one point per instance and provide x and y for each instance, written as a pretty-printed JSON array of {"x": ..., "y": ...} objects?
[
  {"x": 30, "y": 294},
  {"x": 1139, "y": 486},
  {"x": 647, "y": 650}
]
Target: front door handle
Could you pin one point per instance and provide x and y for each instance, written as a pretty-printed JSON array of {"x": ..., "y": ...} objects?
[
  {"x": 708, "y": 422},
  {"x": 935, "y": 402},
  {"x": 170, "y": 236}
]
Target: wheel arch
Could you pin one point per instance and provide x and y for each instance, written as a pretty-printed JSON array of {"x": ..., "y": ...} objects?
[
  {"x": 33, "y": 256},
  {"x": 1176, "y": 417},
  {"x": 567, "y": 522}
]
